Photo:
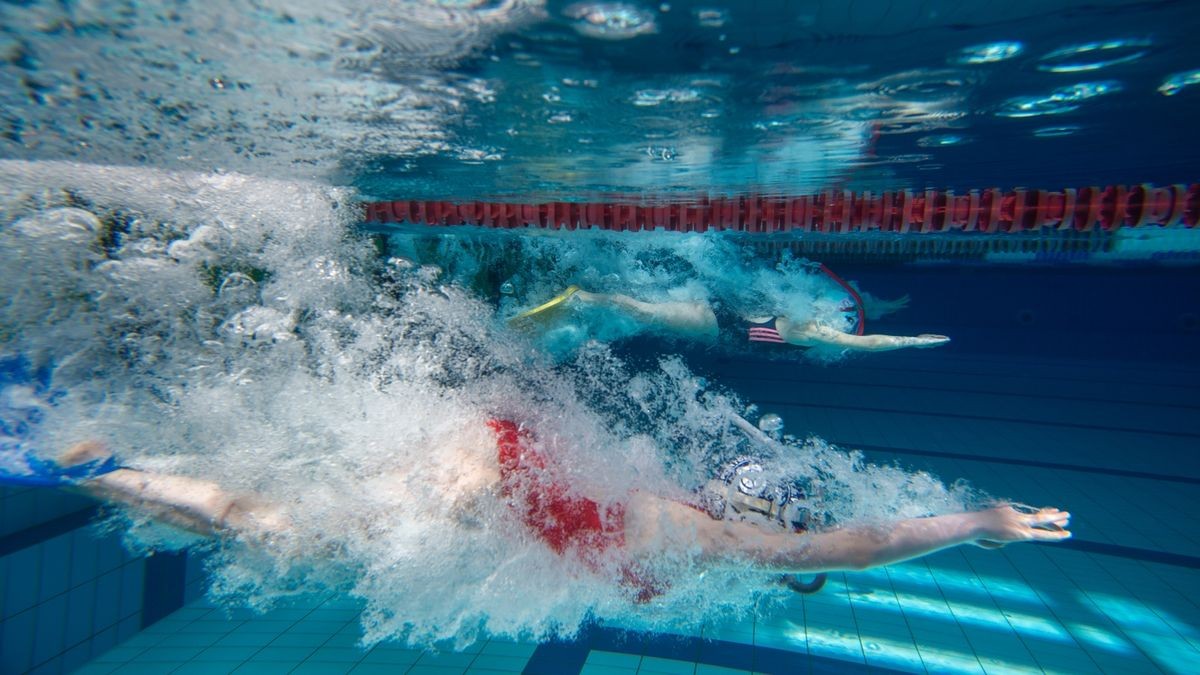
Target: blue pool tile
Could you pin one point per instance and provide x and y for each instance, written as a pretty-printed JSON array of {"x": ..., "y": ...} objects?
[
  {"x": 295, "y": 640},
  {"x": 265, "y": 668},
  {"x": 392, "y": 656},
  {"x": 438, "y": 670},
  {"x": 128, "y": 627},
  {"x": 779, "y": 661},
  {"x": 132, "y": 584},
  {"x": 21, "y": 593},
  {"x": 497, "y": 662},
  {"x": 602, "y": 670},
  {"x": 705, "y": 669},
  {"x": 187, "y": 638},
  {"x": 659, "y": 666},
  {"x": 245, "y": 639},
  {"x": 80, "y": 620},
  {"x": 51, "y": 618},
  {"x": 322, "y": 668},
  {"x": 52, "y": 667},
  {"x": 615, "y": 659},
  {"x": 293, "y": 654},
  {"x": 55, "y": 569},
  {"x": 174, "y": 654},
  {"x": 671, "y": 647},
  {"x": 139, "y": 668},
  {"x": 344, "y": 639},
  {"x": 95, "y": 668},
  {"x": 220, "y": 653},
  {"x": 503, "y": 648},
  {"x": 338, "y": 654},
  {"x": 212, "y": 627},
  {"x": 446, "y": 660},
  {"x": 75, "y": 657},
  {"x": 262, "y": 626},
  {"x": 207, "y": 667},
  {"x": 726, "y": 655},
  {"x": 109, "y": 554},
  {"x": 108, "y": 597},
  {"x": 312, "y": 627},
  {"x": 103, "y": 641},
  {"x": 375, "y": 669},
  {"x": 16, "y": 642}
]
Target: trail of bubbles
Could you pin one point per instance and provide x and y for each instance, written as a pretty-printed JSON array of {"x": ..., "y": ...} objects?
[{"x": 238, "y": 330}]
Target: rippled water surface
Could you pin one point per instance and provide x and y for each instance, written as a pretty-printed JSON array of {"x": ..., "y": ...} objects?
[{"x": 444, "y": 98}]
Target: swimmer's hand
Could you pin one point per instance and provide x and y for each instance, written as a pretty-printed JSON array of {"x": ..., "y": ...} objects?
[
  {"x": 927, "y": 340},
  {"x": 1016, "y": 522}
]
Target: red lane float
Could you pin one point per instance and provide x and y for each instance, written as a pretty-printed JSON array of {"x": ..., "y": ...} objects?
[{"x": 832, "y": 211}]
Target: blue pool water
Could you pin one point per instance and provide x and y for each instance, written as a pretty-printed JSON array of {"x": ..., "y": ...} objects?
[{"x": 181, "y": 253}]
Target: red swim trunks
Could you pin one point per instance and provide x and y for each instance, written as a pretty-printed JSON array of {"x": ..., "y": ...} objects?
[
  {"x": 564, "y": 521},
  {"x": 567, "y": 523}
]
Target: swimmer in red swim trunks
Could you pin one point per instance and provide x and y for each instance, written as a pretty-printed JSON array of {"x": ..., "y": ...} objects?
[{"x": 572, "y": 524}]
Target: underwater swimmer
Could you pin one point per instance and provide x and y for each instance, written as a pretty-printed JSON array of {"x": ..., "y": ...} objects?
[
  {"x": 553, "y": 509},
  {"x": 698, "y": 320}
]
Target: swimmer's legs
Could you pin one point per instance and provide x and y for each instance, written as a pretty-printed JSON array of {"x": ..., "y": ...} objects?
[
  {"x": 196, "y": 505},
  {"x": 692, "y": 319}
]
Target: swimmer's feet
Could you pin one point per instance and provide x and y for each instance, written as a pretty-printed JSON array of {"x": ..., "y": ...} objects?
[
  {"x": 84, "y": 452},
  {"x": 86, "y": 460},
  {"x": 551, "y": 308}
]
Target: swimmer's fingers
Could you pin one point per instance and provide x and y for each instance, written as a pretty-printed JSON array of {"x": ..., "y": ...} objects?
[
  {"x": 925, "y": 340},
  {"x": 1020, "y": 522},
  {"x": 1048, "y": 534},
  {"x": 1047, "y": 524}
]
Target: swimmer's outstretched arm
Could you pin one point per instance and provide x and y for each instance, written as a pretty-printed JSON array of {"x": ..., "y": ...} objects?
[
  {"x": 815, "y": 334},
  {"x": 656, "y": 522}
]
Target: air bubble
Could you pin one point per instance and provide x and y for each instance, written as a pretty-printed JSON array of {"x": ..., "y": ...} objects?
[
  {"x": 770, "y": 423},
  {"x": 942, "y": 140},
  {"x": 1061, "y": 100},
  {"x": 653, "y": 97},
  {"x": 610, "y": 20},
  {"x": 711, "y": 17},
  {"x": 1176, "y": 82},
  {"x": 992, "y": 52},
  {"x": 1055, "y": 132},
  {"x": 1093, "y": 55},
  {"x": 661, "y": 153}
]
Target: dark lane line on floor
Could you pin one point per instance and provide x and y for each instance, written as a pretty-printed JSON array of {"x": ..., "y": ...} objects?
[
  {"x": 1007, "y": 373},
  {"x": 44, "y": 531},
  {"x": 1131, "y": 552},
  {"x": 1124, "y": 473},
  {"x": 565, "y": 657},
  {"x": 979, "y": 418},
  {"x": 954, "y": 390}
]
